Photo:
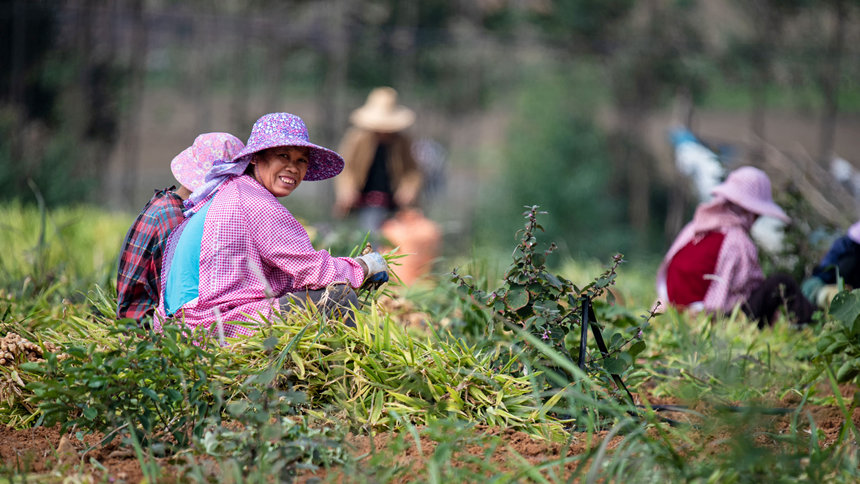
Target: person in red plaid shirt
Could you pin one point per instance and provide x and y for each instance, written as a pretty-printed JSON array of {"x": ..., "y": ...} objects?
[{"x": 137, "y": 281}]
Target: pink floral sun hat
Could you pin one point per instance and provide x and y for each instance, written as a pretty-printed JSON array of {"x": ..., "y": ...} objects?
[
  {"x": 854, "y": 232},
  {"x": 285, "y": 129},
  {"x": 749, "y": 187},
  {"x": 191, "y": 166}
]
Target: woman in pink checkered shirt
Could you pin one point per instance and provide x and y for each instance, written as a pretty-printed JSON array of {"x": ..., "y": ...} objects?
[
  {"x": 713, "y": 266},
  {"x": 241, "y": 256}
]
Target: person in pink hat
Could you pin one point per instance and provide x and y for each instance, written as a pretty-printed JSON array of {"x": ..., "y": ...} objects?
[
  {"x": 137, "y": 281},
  {"x": 241, "y": 257},
  {"x": 842, "y": 261},
  {"x": 713, "y": 266}
]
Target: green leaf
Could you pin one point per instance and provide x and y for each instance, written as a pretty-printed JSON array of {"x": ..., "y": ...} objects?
[
  {"x": 614, "y": 365},
  {"x": 173, "y": 395},
  {"x": 855, "y": 329},
  {"x": 145, "y": 421},
  {"x": 836, "y": 346},
  {"x": 845, "y": 307},
  {"x": 553, "y": 280},
  {"x": 77, "y": 352},
  {"x": 848, "y": 370},
  {"x": 636, "y": 348},
  {"x": 270, "y": 343},
  {"x": 237, "y": 408},
  {"x": 825, "y": 341},
  {"x": 97, "y": 383},
  {"x": 517, "y": 298},
  {"x": 32, "y": 367},
  {"x": 90, "y": 413},
  {"x": 571, "y": 342},
  {"x": 149, "y": 392}
]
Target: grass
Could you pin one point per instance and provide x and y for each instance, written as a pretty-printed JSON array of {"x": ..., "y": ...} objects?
[
  {"x": 64, "y": 251},
  {"x": 727, "y": 96},
  {"x": 444, "y": 398}
]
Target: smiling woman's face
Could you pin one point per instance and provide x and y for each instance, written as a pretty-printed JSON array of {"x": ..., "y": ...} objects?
[{"x": 281, "y": 169}]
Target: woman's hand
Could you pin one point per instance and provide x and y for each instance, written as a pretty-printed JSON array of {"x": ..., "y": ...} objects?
[{"x": 374, "y": 266}]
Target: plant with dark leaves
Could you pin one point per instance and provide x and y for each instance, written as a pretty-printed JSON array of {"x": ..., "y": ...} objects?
[
  {"x": 839, "y": 338},
  {"x": 158, "y": 386},
  {"x": 270, "y": 440},
  {"x": 548, "y": 305}
]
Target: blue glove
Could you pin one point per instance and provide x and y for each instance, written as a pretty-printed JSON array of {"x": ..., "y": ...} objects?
[
  {"x": 378, "y": 278},
  {"x": 810, "y": 288},
  {"x": 377, "y": 268}
]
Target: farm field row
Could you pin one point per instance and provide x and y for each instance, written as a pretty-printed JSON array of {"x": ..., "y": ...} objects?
[{"x": 464, "y": 378}]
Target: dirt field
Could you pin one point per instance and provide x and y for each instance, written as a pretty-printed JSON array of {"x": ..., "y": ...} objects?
[{"x": 45, "y": 452}]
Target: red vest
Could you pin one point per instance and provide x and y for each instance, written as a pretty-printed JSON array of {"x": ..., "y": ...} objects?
[{"x": 685, "y": 275}]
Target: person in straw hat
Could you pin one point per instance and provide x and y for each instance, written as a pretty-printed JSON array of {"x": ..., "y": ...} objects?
[
  {"x": 138, "y": 280},
  {"x": 381, "y": 174},
  {"x": 712, "y": 265},
  {"x": 241, "y": 256}
]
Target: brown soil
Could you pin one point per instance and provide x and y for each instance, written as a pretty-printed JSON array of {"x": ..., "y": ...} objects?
[
  {"x": 48, "y": 453},
  {"x": 45, "y": 453}
]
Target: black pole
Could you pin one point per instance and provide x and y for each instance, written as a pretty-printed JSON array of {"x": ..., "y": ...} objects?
[{"x": 583, "y": 333}]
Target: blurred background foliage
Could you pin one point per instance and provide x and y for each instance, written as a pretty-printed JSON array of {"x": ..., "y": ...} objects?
[{"x": 560, "y": 103}]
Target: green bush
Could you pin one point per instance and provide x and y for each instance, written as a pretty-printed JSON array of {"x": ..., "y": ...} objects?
[
  {"x": 547, "y": 306},
  {"x": 555, "y": 157},
  {"x": 839, "y": 343},
  {"x": 271, "y": 440},
  {"x": 158, "y": 386}
]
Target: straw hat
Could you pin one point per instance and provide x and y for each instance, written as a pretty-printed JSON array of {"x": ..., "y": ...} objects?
[
  {"x": 382, "y": 113},
  {"x": 750, "y": 188},
  {"x": 190, "y": 167},
  {"x": 285, "y": 129}
]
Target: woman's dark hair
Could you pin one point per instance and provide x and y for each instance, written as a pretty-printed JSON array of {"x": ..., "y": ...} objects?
[{"x": 249, "y": 170}]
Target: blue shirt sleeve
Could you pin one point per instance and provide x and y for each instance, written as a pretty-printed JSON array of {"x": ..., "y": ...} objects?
[{"x": 841, "y": 257}]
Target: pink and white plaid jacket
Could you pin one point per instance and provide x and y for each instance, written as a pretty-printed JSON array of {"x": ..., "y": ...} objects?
[
  {"x": 737, "y": 273},
  {"x": 253, "y": 251}
]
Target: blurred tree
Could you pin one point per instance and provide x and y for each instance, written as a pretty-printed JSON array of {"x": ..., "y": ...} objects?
[
  {"x": 583, "y": 26},
  {"x": 336, "y": 59},
  {"x": 48, "y": 129},
  {"x": 658, "y": 59},
  {"x": 136, "y": 78},
  {"x": 650, "y": 51},
  {"x": 30, "y": 31},
  {"x": 756, "y": 54},
  {"x": 830, "y": 73},
  {"x": 555, "y": 157},
  {"x": 409, "y": 45}
]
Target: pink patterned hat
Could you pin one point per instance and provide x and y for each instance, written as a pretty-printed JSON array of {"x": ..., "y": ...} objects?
[
  {"x": 750, "y": 188},
  {"x": 190, "y": 166},
  {"x": 285, "y": 129},
  {"x": 854, "y": 232}
]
